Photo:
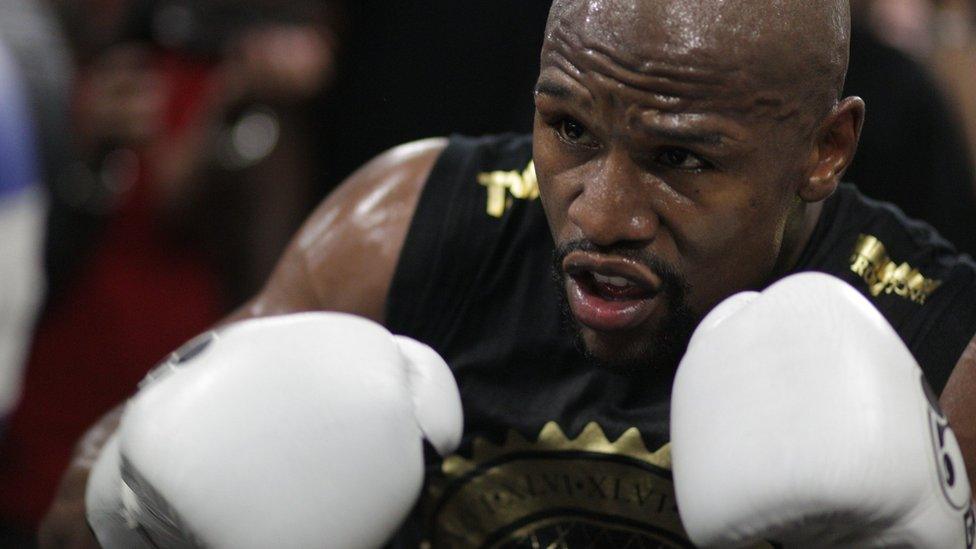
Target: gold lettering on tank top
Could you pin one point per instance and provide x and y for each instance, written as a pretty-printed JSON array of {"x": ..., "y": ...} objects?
[
  {"x": 555, "y": 492},
  {"x": 870, "y": 261},
  {"x": 504, "y": 186}
]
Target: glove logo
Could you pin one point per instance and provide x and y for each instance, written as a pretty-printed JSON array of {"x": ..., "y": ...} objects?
[
  {"x": 179, "y": 358},
  {"x": 193, "y": 348},
  {"x": 970, "y": 523},
  {"x": 948, "y": 457}
]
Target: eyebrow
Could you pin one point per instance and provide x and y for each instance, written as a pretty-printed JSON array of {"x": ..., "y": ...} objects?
[
  {"x": 690, "y": 137},
  {"x": 552, "y": 89}
]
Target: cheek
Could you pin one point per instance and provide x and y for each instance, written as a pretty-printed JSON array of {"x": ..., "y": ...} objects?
[
  {"x": 555, "y": 189},
  {"x": 555, "y": 209},
  {"x": 734, "y": 247}
]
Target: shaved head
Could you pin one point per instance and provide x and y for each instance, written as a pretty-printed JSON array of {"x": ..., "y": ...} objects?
[
  {"x": 693, "y": 141},
  {"x": 795, "y": 52}
]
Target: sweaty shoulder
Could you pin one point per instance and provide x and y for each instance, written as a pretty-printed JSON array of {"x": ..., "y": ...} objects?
[{"x": 344, "y": 256}]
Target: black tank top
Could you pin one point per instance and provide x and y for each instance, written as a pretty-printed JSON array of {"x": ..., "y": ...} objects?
[{"x": 555, "y": 450}]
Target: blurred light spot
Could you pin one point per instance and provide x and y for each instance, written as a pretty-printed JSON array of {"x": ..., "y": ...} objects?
[{"x": 251, "y": 138}]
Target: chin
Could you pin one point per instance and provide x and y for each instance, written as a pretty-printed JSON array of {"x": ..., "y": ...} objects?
[
  {"x": 629, "y": 353},
  {"x": 652, "y": 343}
]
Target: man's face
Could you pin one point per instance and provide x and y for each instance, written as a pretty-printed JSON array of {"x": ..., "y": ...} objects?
[{"x": 668, "y": 175}]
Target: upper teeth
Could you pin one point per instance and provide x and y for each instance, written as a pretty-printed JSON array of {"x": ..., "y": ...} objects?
[{"x": 618, "y": 281}]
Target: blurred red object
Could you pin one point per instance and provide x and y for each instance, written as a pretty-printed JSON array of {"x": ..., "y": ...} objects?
[{"x": 141, "y": 294}]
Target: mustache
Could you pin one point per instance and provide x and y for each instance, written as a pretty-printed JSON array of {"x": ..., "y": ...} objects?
[{"x": 673, "y": 282}]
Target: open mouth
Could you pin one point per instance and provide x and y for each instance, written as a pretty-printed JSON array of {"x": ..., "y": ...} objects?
[
  {"x": 612, "y": 288},
  {"x": 609, "y": 293}
]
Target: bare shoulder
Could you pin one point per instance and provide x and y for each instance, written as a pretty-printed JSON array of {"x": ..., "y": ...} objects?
[
  {"x": 958, "y": 401},
  {"x": 344, "y": 256},
  {"x": 961, "y": 387}
]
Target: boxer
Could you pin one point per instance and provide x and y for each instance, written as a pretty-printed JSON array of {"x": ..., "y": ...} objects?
[{"x": 684, "y": 151}]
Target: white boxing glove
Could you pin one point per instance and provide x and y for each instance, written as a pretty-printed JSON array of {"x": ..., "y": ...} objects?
[
  {"x": 296, "y": 431},
  {"x": 799, "y": 416}
]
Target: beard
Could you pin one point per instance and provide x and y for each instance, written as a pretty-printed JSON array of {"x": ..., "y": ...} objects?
[{"x": 652, "y": 349}]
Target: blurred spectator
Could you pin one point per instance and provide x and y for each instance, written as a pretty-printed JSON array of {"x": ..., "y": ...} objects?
[
  {"x": 233, "y": 172},
  {"x": 913, "y": 151},
  {"x": 21, "y": 224},
  {"x": 906, "y": 24},
  {"x": 21, "y": 227},
  {"x": 193, "y": 172},
  {"x": 954, "y": 60},
  {"x": 40, "y": 50}
]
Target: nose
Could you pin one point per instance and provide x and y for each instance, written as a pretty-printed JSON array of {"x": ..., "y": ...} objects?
[{"x": 614, "y": 206}]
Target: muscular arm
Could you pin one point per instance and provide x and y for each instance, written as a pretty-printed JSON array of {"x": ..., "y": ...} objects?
[
  {"x": 958, "y": 401},
  {"x": 342, "y": 259}
]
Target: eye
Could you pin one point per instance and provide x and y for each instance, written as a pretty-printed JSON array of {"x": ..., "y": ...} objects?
[
  {"x": 573, "y": 132},
  {"x": 682, "y": 159}
]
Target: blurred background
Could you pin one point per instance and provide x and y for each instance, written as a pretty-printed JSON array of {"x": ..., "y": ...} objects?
[{"x": 156, "y": 155}]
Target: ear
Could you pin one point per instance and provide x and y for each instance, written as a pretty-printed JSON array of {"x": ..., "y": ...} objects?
[{"x": 835, "y": 143}]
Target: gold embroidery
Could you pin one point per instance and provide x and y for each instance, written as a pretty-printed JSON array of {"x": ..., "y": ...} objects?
[
  {"x": 503, "y": 186},
  {"x": 518, "y": 493},
  {"x": 556, "y": 492},
  {"x": 870, "y": 261},
  {"x": 552, "y": 439}
]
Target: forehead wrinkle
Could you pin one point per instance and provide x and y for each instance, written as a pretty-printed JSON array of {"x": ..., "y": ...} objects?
[
  {"x": 687, "y": 70},
  {"x": 675, "y": 89},
  {"x": 698, "y": 127},
  {"x": 557, "y": 44},
  {"x": 557, "y": 55},
  {"x": 632, "y": 31},
  {"x": 569, "y": 70},
  {"x": 697, "y": 67},
  {"x": 791, "y": 54},
  {"x": 669, "y": 82}
]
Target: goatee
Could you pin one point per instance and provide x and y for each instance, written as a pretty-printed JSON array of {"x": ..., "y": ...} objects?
[{"x": 656, "y": 352}]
